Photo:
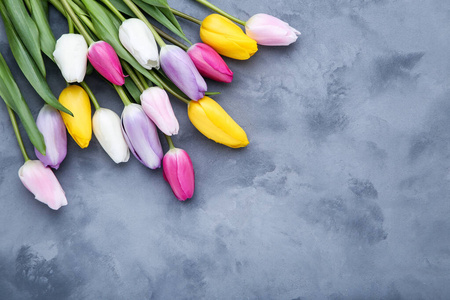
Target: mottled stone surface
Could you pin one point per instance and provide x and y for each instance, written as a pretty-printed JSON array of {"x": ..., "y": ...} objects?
[{"x": 343, "y": 192}]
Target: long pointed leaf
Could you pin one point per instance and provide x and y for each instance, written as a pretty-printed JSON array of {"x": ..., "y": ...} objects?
[
  {"x": 46, "y": 37},
  {"x": 160, "y": 3}
]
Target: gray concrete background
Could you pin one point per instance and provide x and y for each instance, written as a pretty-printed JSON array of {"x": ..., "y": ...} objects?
[{"x": 343, "y": 192}]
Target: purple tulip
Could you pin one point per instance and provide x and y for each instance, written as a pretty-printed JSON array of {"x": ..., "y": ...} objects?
[
  {"x": 105, "y": 60},
  {"x": 156, "y": 105},
  {"x": 270, "y": 31},
  {"x": 179, "y": 173},
  {"x": 209, "y": 63},
  {"x": 141, "y": 136},
  {"x": 51, "y": 125},
  {"x": 42, "y": 183},
  {"x": 179, "y": 67}
]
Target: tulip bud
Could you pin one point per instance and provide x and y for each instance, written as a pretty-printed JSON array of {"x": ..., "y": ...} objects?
[
  {"x": 105, "y": 60},
  {"x": 270, "y": 31},
  {"x": 42, "y": 183},
  {"x": 179, "y": 67},
  {"x": 79, "y": 126},
  {"x": 108, "y": 131},
  {"x": 71, "y": 56},
  {"x": 179, "y": 173},
  {"x": 51, "y": 125},
  {"x": 141, "y": 136},
  {"x": 209, "y": 63},
  {"x": 137, "y": 38},
  {"x": 227, "y": 38},
  {"x": 156, "y": 105},
  {"x": 214, "y": 122}
]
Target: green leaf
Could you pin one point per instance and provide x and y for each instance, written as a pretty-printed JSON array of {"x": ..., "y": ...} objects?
[
  {"x": 10, "y": 93},
  {"x": 26, "y": 30},
  {"x": 122, "y": 7},
  {"x": 47, "y": 39},
  {"x": 107, "y": 27},
  {"x": 133, "y": 90},
  {"x": 160, "y": 3},
  {"x": 28, "y": 66},
  {"x": 168, "y": 13}
]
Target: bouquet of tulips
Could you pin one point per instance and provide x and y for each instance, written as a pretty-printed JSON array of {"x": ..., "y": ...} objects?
[{"x": 117, "y": 39}]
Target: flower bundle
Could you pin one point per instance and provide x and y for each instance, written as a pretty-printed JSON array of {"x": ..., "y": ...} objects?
[{"x": 116, "y": 38}]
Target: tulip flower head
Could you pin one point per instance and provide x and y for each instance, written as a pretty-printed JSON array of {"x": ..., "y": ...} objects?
[
  {"x": 141, "y": 136},
  {"x": 79, "y": 126},
  {"x": 209, "y": 63},
  {"x": 214, "y": 122},
  {"x": 270, "y": 31},
  {"x": 51, "y": 125},
  {"x": 42, "y": 183},
  {"x": 137, "y": 38},
  {"x": 108, "y": 131},
  {"x": 156, "y": 105},
  {"x": 105, "y": 60},
  {"x": 227, "y": 38},
  {"x": 179, "y": 67},
  {"x": 179, "y": 173},
  {"x": 71, "y": 56}
]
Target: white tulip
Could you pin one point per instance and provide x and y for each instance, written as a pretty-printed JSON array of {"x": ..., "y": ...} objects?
[
  {"x": 137, "y": 38},
  {"x": 107, "y": 129},
  {"x": 71, "y": 56}
]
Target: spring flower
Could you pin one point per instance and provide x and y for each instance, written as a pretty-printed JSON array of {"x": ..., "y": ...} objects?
[
  {"x": 179, "y": 173},
  {"x": 179, "y": 67},
  {"x": 209, "y": 63},
  {"x": 214, "y": 122},
  {"x": 156, "y": 105},
  {"x": 105, "y": 60},
  {"x": 42, "y": 183},
  {"x": 51, "y": 125},
  {"x": 141, "y": 136},
  {"x": 270, "y": 31},
  {"x": 137, "y": 38},
  {"x": 108, "y": 131},
  {"x": 71, "y": 56},
  {"x": 227, "y": 38},
  {"x": 79, "y": 126}
]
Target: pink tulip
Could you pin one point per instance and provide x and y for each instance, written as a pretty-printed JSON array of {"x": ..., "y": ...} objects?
[
  {"x": 179, "y": 173},
  {"x": 105, "y": 60},
  {"x": 157, "y": 107},
  {"x": 270, "y": 31},
  {"x": 209, "y": 63},
  {"x": 42, "y": 183}
]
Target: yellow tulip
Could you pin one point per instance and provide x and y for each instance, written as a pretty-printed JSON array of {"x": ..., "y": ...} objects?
[
  {"x": 227, "y": 38},
  {"x": 79, "y": 126},
  {"x": 214, "y": 122}
]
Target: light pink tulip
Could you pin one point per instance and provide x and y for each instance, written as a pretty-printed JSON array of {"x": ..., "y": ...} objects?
[
  {"x": 157, "y": 107},
  {"x": 105, "y": 60},
  {"x": 270, "y": 31},
  {"x": 42, "y": 183},
  {"x": 179, "y": 173},
  {"x": 209, "y": 63}
]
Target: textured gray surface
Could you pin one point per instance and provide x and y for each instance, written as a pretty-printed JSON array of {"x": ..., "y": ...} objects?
[{"x": 343, "y": 192}]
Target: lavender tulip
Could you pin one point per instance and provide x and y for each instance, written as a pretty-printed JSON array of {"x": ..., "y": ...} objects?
[
  {"x": 51, "y": 125},
  {"x": 156, "y": 105},
  {"x": 141, "y": 136},
  {"x": 179, "y": 67}
]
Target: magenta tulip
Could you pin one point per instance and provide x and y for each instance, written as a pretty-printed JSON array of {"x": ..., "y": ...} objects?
[
  {"x": 51, "y": 125},
  {"x": 179, "y": 67},
  {"x": 209, "y": 63},
  {"x": 42, "y": 183},
  {"x": 105, "y": 60},
  {"x": 179, "y": 173},
  {"x": 270, "y": 31},
  {"x": 156, "y": 105}
]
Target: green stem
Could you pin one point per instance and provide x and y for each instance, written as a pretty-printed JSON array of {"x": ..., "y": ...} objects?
[
  {"x": 133, "y": 76},
  {"x": 171, "y": 39},
  {"x": 113, "y": 9},
  {"x": 167, "y": 88},
  {"x": 143, "y": 80},
  {"x": 77, "y": 22},
  {"x": 169, "y": 141},
  {"x": 28, "y": 5},
  {"x": 123, "y": 96},
  {"x": 17, "y": 133},
  {"x": 70, "y": 23},
  {"x": 218, "y": 10},
  {"x": 90, "y": 94},
  {"x": 186, "y": 16},
  {"x": 141, "y": 16}
]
